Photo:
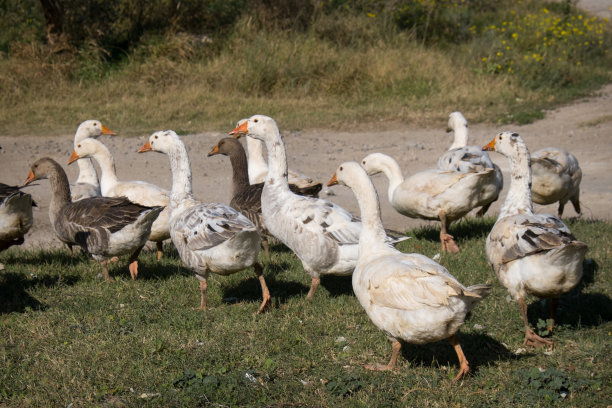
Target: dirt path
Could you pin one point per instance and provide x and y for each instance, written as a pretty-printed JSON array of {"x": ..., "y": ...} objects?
[{"x": 584, "y": 128}]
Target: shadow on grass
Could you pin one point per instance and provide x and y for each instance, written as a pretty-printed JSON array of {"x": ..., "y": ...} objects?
[
  {"x": 576, "y": 308},
  {"x": 14, "y": 296},
  {"x": 470, "y": 228},
  {"x": 249, "y": 289},
  {"x": 479, "y": 349}
]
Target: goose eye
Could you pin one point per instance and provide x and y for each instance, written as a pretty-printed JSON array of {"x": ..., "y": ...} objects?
[
  {"x": 363, "y": 162},
  {"x": 79, "y": 146},
  {"x": 340, "y": 168},
  {"x": 255, "y": 120},
  {"x": 156, "y": 136}
]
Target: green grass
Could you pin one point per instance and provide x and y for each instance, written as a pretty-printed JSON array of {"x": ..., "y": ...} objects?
[{"x": 67, "y": 336}]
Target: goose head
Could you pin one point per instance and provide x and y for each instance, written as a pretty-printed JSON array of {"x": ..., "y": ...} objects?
[
  {"x": 224, "y": 147},
  {"x": 373, "y": 163},
  {"x": 259, "y": 127},
  {"x": 162, "y": 141},
  {"x": 86, "y": 148},
  {"x": 41, "y": 169},
  {"x": 347, "y": 174},
  {"x": 456, "y": 120},
  {"x": 508, "y": 143},
  {"x": 91, "y": 129}
]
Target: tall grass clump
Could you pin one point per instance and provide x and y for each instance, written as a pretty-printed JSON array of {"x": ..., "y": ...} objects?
[{"x": 332, "y": 62}]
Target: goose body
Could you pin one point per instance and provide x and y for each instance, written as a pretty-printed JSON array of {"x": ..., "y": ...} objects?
[
  {"x": 432, "y": 194},
  {"x": 465, "y": 158},
  {"x": 209, "y": 237},
  {"x": 139, "y": 192},
  {"x": 323, "y": 235},
  {"x": 533, "y": 254},
  {"x": 104, "y": 227},
  {"x": 15, "y": 215},
  {"x": 87, "y": 183},
  {"x": 409, "y": 297},
  {"x": 556, "y": 176}
]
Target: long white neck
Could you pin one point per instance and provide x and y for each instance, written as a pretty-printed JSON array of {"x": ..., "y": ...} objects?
[
  {"x": 518, "y": 200},
  {"x": 181, "y": 176},
  {"x": 277, "y": 161},
  {"x": 373, "y": 236},
  {"x": 393, "y": 172},
  {"x": 256, "y": 162},
  {"x": 108, "y": 174},
  {"x": 461, "y": 137},
  {"x": 87, "y": 172}
]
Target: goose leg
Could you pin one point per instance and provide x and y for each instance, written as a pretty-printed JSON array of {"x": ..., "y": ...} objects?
[
  {"x": 265, "y": 293},
  {"x": 314, "y": 284},
  {"x": 561, "y": 207},
  {"x": 554, "y": 303},
  {"x": 531, "y": 339},
  {"x": 160, "y": 249},
  {"x": 483, "y": 209},
  {"x": 134, "y": 263},
  {"x": 266, "y": 246},
  {"x": 203, "y": 288},
  {"x": 576, "y": 203},
  {"x": 465, "y": 367},
  {"x": 105, "y": 271},
  {"x": 396, "y": 346},
  {"x": 447, "y": 240}
]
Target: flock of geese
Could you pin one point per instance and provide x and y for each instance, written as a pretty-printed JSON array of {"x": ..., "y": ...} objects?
[{"x": 410, "y": 297}]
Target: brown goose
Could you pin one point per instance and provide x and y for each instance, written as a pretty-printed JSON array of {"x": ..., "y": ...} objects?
[
  {"x": 102, "y": 226},
  {"x": 15, "y": 215},
  {"x": 246, "y": 198}
]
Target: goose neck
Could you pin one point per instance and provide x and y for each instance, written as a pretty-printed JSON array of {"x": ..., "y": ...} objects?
[
  {"x": 393, "y": 172},
  {"x": 461, "y": 138},
  {"x": 518, "y": 200},
  {"x": 87, "y": 172},
  {"x": 256, "y": 160},
  {"x": 277, "y": 162},
  {"x": 240, "y": 174},
  {"x": 181, "y": 176},
  {"x": 373, "y": 234},
  {"x": 108, "y": 173},
  {"x": 60, "y": 192}
]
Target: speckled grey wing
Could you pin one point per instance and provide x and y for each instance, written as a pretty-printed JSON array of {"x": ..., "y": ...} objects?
[
  {"x": 329, "y": 219},
  {"x": 523, "y": 235},
  {"x": 468, "y": 159},
  {"x": 207, "y": 225}
]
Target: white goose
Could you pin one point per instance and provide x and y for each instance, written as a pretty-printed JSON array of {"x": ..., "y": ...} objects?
[
  {"x": 209, "y": 237},
  {"x": 322, "y": 234},
  {"x": 409, "y": 297},
  {"x": 530, "y": 253},
  {"x": 556, "y": 176},
  {"x": 87, "y": 184},
  {"x": 139, "y": 192},
  {"x": 470, "y": 159},
  {"x": 258, "y": 169},
  {"x": 432, "y": 194}
]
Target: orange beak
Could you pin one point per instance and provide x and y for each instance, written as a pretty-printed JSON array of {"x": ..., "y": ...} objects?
[
  {"x": 107, "y": 131},
  {"x": 73, "y": 157},
  {"x": 145, "y": 148},
  {"x": 333, "y": 181},
  {"x": 29, "y": 179},
  {"x": 215, "y": 150},
  {"x": 240, "y": 130},
  {"x": 490, "y": 147}
]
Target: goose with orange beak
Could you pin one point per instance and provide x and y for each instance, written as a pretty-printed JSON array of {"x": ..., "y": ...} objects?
[
  {"x": 410, "y": 297},
  {"x": 531, "y": 254}
]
